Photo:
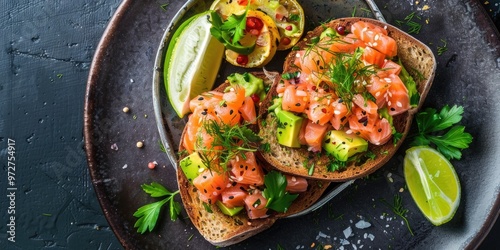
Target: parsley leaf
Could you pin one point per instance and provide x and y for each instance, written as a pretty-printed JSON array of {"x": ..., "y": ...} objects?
[
  {"x": 278, "y": 199},
  {"x": 230, "y": 32},
  {"x": 431, "y": 131},
  {"x": 148, "y": 214}
]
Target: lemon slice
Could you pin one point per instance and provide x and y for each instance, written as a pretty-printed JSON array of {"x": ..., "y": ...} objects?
[
  {"x": 192, "y": 62},
  {"x": 265, "y": 44},
  {"x": 433, "y": 183},
  {"x": 288, "y": 16}
]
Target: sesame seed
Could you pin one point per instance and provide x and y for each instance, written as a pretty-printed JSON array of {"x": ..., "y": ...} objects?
[{"x": 398, "y": 103}]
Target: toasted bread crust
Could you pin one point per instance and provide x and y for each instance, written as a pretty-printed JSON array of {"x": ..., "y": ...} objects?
[
  {"x": 223, "y": 230},
  {"x": 412, "y": 53}
]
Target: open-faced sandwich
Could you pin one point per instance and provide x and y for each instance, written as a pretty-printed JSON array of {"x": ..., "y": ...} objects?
[
  {"x": 345, "y": 101},
  {"x": 228, "y": 194}
]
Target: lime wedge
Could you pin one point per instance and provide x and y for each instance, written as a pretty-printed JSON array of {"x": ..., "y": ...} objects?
[
  {"x": 433, "y": 183},
  {"x": 192, "y": 62}
]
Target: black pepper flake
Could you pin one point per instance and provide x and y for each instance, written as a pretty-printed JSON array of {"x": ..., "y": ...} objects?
[
  {"x": 200, "y": 98},
  {"x": 363, "y": 120},
  {"x": 241, "y": 166},
  {"x": 327, "y": 140},
  {"x": 297, "y": 104},
  {"x": 242, "y": 189},
  {"x": 205, "y": 191},
  {"x": 224, "y": 105},
  {"x": 218, "y": 188},
  {"x": 231, "y": 112},
  {"x": 393, "y": 109},
  {"x": 253, "y": 169},
  {"x": 379, "y": 130},
  {"x": 231, "y": 197}
]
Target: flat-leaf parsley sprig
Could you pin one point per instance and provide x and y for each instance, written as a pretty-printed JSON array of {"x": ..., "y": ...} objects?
[
  {"x": 278, "y": 199},
  {"x": 230, "y": 31},
  {"x": 149, "y": 213},
  {"x": 432, "y": 128}
]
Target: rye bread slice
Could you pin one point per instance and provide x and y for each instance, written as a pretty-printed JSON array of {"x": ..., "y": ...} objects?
[
  {"x": 414, "y": 55},
  {"x": 223, "y": 230}
]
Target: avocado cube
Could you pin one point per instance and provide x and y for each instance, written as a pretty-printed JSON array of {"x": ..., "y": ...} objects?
[
  {"x": 289, "y": 126},
  {"x": 342, "y": 145},
  {"x": 228, "y": 211},
  {"x": 192, "y": 166},
  {"x": 251, "y": 84}
]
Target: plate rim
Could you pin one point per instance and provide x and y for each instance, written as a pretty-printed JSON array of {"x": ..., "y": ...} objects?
[{"x": 112, "y": 218}]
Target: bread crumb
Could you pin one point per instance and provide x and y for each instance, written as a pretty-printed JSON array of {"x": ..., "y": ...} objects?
[
  {"x": 327, "y": 247},
  {"x": 426, "y": 7}
]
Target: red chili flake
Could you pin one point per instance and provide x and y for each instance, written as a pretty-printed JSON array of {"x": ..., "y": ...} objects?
[
  {"x": 289, "y": 27},
  {"x": 323, "y": 110}
]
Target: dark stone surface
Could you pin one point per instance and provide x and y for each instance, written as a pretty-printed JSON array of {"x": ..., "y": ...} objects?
[{"x": 47, "y": 49}]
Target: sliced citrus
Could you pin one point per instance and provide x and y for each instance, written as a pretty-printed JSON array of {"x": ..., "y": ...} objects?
[
  {"x": 433, "y": 183},
  {"x": 287, "y": 14},
  {"x": 265, "y": 39},
  {"x": 192, "y": 62}
]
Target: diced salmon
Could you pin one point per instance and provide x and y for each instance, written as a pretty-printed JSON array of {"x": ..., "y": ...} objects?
[
  {"x": 234, "y": 195},
  {"x": 247, "y": 111},
  {"x": 314, "y": 134},
  {"x": 340, "y": 112},
  {"x": 375, "y": 37},
  {"x": 227, "y": 113},
  {"x": 390, "y": 67},
  {"x": 373, "y": 57},
  {"x": 245, "y": 170},
  {"x": 357, "y": 28},
  {"x": 295, "y": 98},
  {"x": 210, "y": 185},
  {"x": 255, "y": 205},
  {"x": 398, "y": 100},
  {"x": 296, "y": 184},
  {"x": 234, "y": 96},
  {"x": 202, "y": 98}
]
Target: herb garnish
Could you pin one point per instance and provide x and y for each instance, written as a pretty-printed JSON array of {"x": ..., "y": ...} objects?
[
  {"x": 278, "y": 199},
  {"x": 399, "y": 210},
  {"x": 442, "y": 49},
  {"x": 347, "y": 73},
  {"x": 229, "y": 141},
  {"x": 149, "y": 213},
  {"x": 413, "y": 27},
  {"x": 231, "y": 31},
  {"x": 431, "y": 131}
]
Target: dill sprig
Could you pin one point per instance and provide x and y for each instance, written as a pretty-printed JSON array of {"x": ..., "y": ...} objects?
[
  {"x": 442, "y": 49},
  {"x": 412, "y": 26},
  {"x": 398, "y": 209},
  {"x": 347, "y": 74},
  {"x": 228, "y": 142}
]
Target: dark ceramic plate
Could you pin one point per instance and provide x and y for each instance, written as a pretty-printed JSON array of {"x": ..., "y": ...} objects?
[{"x": 468, "y": 74}]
